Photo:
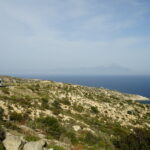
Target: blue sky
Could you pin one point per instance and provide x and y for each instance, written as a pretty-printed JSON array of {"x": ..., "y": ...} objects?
[{"x": 75, "y": 37}]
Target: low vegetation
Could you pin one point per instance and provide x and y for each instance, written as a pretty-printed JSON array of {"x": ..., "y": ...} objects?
[
  {"x": 30, "y": 138},
  {"x": 139, "y": 139},
  {"x": 77, "y": 117},
  {"x": 2, "y": 137},
  {"x": 51, "y": 126}
]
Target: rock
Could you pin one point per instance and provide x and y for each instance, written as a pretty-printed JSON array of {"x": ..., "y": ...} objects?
[
  {"x": 38, "y": 145},
  {"x": 76, "y": 128},
  {"x": 41, "y": 136},
  {"x": 12, "y": 142}
]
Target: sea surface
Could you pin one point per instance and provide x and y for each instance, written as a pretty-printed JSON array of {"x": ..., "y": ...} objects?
[
  {"x": 127, "y": 84},
  {"x": 144, "y": 102}
]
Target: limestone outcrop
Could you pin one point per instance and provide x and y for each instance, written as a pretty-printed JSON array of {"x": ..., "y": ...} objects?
[
  {"x": 39, "y": 145},
  {"x": 12, "y": 142}
]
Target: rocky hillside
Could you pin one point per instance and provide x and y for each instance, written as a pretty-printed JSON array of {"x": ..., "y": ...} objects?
[{"x": 66, "y": 116}]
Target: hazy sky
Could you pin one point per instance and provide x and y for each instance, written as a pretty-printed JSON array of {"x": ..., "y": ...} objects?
[{"x": 75, "y": 36}]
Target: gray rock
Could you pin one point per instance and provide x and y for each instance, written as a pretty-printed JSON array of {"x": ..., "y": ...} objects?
[
  {"x": 38, "y": 145},
  {"x": 12, "y": 142}
]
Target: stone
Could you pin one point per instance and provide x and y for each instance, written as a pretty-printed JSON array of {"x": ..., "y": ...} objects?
[
  {"x": 38, "y": 145},
  {"x": 13, "y": 142},
  {"x": 76, "y": 128}
]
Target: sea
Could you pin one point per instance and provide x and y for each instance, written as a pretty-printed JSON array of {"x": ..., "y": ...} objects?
[{"x": 128, "y": 84}]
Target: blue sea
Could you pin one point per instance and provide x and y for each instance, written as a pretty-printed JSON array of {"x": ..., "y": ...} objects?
[{"x": 127, "y": 84}]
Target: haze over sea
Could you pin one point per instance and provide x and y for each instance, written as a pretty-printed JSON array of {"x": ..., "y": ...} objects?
[{"x": 128, "y": 84}]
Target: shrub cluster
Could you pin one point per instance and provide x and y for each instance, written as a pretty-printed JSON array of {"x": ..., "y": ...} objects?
[
  {"x": 56, "y": 107},
  {"x": 94, "y": 109},
  {"x": 2, "y": 146},
  {"x": 139, "y": 139},
  {"x": 51, "y": 126},
  {"x": 78, "y": 107},
  {"x": 2, "y": 137},
  {"x": 65, "y": 102},
  {"x": 18, "y": 117},
  {"x": 45, "y": 103},
  {"x": 1, "y": 114},
  {"x": 31, "y": 138},
  {"x": 5, "y": 90},
  {"x": 2, "y": 134}
]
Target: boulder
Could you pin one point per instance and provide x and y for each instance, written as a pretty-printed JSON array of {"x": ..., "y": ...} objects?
[
  {"x": 12, "y": 142},
  {"x": 76, "y": 128},
  {"x": 38, "y": 145}
]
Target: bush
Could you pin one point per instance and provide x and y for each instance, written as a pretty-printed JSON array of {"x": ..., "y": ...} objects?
[
  {"x": 66, "y": 102},
  {"x": 11, "y": 126},
  {"x": 94, "y": 109},
  {"x": 14, "y": 116},
  {"x": 137, "y": 140},
  {"x": 2, "y": 146},
  {"x": 5, "y": 90},
  {"x": 51, "y": 126},
  {"x": 72, "y": 136},
  {"x": 56, "y": 104},
  {"x": 91, "y": 139},
  {"x": 1, "y": 113},
  {"x": 31, "y": 138},
  {"x": 56, "y": 107},
  {"x": 2, "y": 135}
]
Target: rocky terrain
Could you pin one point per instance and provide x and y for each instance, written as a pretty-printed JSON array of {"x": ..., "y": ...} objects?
[{"x": 39, "y": 114}]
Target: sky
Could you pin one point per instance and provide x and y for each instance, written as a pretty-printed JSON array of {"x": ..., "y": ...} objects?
[{"x": 75, "y": 37}]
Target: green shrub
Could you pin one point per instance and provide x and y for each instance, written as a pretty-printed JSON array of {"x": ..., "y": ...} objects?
[
  {"x": 129, "y": 102},
  {"x": 91, "y": 139},
  {"x": 23, "y": 101},
  {"x": 34, "y": 87},
  {"x": 2, "y": 134},
  {"x": 72, "y": 136},
  {"x": 51, "y": 126},
  {"x": 2, "y": 146},
  {"x": 94, "y": 109},
  {"x": 10, "y": 125},
  {"x": 5, "y": 90},
  {"x": 31, "y": 138},
  {"x": 56, "y": 107},
  {"x": 1, "y": 113},
  {"x": 45, "y": 103},
  {"x": 131, "y": 112},
  {"x": 139, "y": 139},
  {"x": 56, "y": 104},
  {"x": 37, "y": 87},
  {"x": 65, "y": 102},
  {"x": 14, "y": 116}
]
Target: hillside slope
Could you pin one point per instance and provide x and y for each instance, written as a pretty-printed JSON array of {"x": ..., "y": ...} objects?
[{"x": 71, "y": 116}]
